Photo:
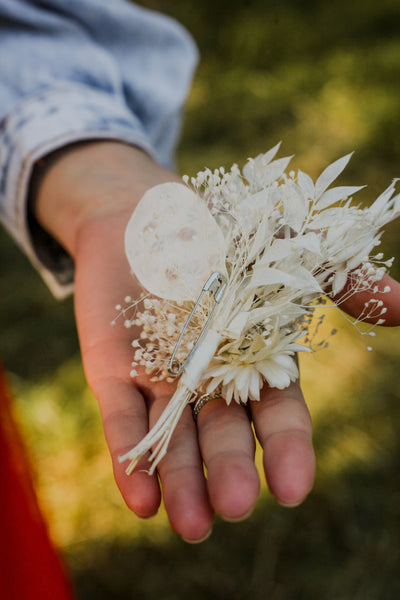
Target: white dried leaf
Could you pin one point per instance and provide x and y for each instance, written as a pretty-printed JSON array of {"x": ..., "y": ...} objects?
[
  {"x": 238, "y": 323},
  {"x": 385, "y": 208},
  {"x": 330, "y": 174},
  {"x": 336, "y": 194},
  {"x": 303, "y": 279},
  {"x": 278, "y": 250},
  {"x": 339, "y": 282},
  {"x": 309, "y": 241},
  {"x": 306, "y": 184},
  {"x": 295, "y": 210},
  {"x": 264, "y": 159},
  {"x": 274, "y": 171}
]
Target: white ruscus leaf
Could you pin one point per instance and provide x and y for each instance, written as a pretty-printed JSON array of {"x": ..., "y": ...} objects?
[
  {"x": 306, "y": 184},
  {"x": 337, "y": 194},
  {"x": 329, "y": 175}
]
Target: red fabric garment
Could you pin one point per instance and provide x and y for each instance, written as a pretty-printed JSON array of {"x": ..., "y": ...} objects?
[{"x": 29, "y": 565}]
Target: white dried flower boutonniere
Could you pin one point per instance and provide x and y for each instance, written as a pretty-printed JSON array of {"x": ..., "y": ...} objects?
[{"x": 235, "y": 265}]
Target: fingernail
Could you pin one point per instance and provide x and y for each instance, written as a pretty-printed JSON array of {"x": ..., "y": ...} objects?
[
  {"x": 148, "y": 517},
  {"x": 291, "y": 504},
  {"x": 237, "y": 519},
  {"x": 198, "y": 541}
]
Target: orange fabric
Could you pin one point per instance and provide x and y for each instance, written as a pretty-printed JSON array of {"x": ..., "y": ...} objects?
[{"x": 29, "y": 566}]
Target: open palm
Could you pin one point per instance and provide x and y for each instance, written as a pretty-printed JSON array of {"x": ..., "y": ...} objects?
[{"x": 223, "y": 439}]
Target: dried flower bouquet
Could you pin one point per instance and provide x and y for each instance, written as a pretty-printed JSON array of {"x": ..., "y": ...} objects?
[{"x": 235, "y": 265}]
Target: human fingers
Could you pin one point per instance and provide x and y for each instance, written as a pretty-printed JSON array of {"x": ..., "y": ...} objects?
[
  {"x": 123, "y": 410},
  {"x": 100, "y": 283},
  {"x": 354, "y": 304},
  {"x": 181, "y": 472},
  {"x": 283, "y": 427},
  {"x": 125, "y": 422},
  {"x": 227, "y": 446}
]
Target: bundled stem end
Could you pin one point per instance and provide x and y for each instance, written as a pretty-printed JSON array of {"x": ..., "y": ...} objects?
[{"x": 159, "y": 436}]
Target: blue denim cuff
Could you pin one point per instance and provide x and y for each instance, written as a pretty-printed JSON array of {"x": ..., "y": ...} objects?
[{"x": 39, "y": 125}]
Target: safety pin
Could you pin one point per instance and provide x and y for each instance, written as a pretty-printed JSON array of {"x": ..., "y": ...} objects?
[{"x": 216, "y": 285}]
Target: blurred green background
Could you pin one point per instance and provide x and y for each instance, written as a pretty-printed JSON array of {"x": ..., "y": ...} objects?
[{"x": 323, "y": 77}]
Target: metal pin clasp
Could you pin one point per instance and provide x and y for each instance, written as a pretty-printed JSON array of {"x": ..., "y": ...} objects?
[{"x": 216, "y": 285}]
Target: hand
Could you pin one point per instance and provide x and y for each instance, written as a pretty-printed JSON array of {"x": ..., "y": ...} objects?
[{"x": 85, "y": 199}]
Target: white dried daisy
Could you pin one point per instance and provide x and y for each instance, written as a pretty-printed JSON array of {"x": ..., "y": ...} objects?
[{"x": 235, "y": 268}]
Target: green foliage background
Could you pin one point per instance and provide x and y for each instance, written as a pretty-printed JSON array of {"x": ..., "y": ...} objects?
[{"x": 323, "y": 77}]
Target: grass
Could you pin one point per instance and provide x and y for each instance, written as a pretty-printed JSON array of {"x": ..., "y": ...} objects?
[{"x": 324, "y": 78}]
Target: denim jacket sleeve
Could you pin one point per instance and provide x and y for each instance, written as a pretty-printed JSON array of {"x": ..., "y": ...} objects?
[{"x": 76, "y": 70}]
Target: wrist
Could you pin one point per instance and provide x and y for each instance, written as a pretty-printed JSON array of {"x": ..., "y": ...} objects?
[{"x": 83, "y": 182}]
